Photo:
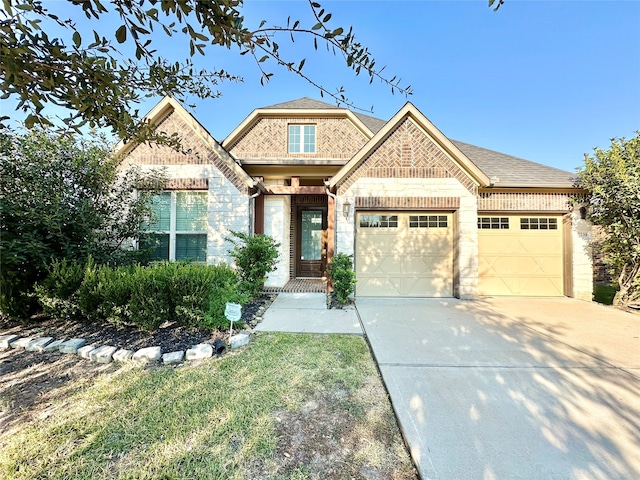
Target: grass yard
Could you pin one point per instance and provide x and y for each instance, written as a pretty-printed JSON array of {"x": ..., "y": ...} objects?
[{"x": 285, "y": 407}]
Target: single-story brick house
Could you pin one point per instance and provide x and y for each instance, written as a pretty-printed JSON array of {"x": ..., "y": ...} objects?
[{"x": 423, "y": 215}]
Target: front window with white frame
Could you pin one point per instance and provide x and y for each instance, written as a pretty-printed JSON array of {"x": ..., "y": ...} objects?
[
  {"x": 177, "y": 229},
  {"x": 302, "y": 139}
]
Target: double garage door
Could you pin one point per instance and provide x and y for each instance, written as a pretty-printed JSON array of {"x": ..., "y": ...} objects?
[{"x": 410, "y": 254}]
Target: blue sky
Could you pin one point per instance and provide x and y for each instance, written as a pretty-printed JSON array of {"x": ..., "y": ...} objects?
[{"x": 542, "y": 80}]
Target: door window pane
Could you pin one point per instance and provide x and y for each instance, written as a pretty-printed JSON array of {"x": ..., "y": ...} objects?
[{"x": 311, "y": 235}]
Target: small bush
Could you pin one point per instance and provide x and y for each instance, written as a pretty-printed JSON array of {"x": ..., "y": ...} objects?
[
  {"x": 57, "y": 293},
  {"x": 255, "y": 256},
  {"x": 151, "y": 303},
  {"x": 342, "y": 277},
  {"x": 227, "y": 289}
]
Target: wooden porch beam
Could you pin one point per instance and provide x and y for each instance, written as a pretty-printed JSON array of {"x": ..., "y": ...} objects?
[{"x": 294, "y": 190}]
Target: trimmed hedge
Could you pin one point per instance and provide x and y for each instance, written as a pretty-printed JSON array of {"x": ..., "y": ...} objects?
[{"x": 146, "y": 296}]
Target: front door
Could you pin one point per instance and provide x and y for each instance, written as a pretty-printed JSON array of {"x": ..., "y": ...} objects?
[{"x": 312, "y": 248}]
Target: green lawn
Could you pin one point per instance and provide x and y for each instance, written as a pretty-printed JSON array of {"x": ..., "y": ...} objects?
[{"x": 287, "y": 406}]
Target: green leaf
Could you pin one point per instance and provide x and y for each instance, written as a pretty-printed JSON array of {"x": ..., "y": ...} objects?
[
  {"x": 77, "y": 39},
  {"x": 317, "y": 26},
  {"x": 121, "y": 34}
]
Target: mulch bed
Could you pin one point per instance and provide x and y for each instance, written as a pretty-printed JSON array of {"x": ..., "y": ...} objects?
[{"x": 170, "y": 337}]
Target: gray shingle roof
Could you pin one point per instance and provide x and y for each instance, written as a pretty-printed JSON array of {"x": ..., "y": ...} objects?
[
  {"x": 372, "y": 123},
  {"x": 508, "y": 169},
  {"x": 512, "y": 170},
  {"x": 301, "y": 104}
]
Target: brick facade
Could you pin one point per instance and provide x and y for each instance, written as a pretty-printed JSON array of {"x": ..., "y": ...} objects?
[
  {"x": 408, "y": 152},
  {"x": 187, "y": 184},
  {"x": 406, "y": 169},
  {"x": 336, "y": 138},
  {"x": 199, "y": 152},
  {"x": 523, "y": 201},
  {"x": 407, "y": 203}
]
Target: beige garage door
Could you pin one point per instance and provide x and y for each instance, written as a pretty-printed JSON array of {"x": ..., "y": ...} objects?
[
  {"x": 520, "y": 255},
  {"x": 400, "y": 254}
]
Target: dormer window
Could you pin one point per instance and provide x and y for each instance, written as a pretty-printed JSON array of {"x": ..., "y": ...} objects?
[{"x": 302, "y": 139}]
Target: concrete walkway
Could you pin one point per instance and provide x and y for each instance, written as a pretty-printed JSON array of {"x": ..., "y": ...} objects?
[
  {"x": 308, "y": 313},
  {"x": 511, "y": 388}
]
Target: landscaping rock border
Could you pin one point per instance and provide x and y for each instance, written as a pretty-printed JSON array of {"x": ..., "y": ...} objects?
[{"x": 108, "y": 353}]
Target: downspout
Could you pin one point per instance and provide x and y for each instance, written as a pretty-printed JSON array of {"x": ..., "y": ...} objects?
[
  {"x": 335, "y": 224},
  {"x": 252, "y": 207},
  {"x": 335, "y": 213}
]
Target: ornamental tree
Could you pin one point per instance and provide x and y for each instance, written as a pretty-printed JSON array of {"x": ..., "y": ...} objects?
[
  {"x": 46, "y": 59},
  {"x": 613, "y": 179},
  {"x": 63, "y": 200}
]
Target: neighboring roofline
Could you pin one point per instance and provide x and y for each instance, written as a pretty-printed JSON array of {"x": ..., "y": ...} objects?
[
  {"x": 337, "y": 112},
  {"x": 167, "y": 105},
  {"x": 411, "y": 111}
]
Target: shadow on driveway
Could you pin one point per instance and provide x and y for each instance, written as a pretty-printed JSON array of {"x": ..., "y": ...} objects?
[{"x": 521, "y": 388}]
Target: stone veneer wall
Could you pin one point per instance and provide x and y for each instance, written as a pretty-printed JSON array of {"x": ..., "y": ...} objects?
[
  {"x": 228, "y": 209},
  {"x": 277, "y": 224},
  {"x": 581, "y": 258},
  {"x": 336, "y": 138},
  {"x": 409, "y": 164},
  {"x": 202, "y": 169}
]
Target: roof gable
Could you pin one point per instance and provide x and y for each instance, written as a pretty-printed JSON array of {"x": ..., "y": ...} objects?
[
  {"x": 449, "y": 153},
  {"x": 223, "y": 161},
  {"x": 304, "y": 108}
]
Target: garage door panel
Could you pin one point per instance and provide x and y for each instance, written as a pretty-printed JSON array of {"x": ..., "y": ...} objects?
[
  {"x": 515, "y": 261},
  {"x": 404, "y": 261},
  {"x": 380, "y": 286}
]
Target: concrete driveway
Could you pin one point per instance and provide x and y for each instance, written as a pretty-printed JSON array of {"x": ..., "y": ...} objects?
[{"x": 510, "y": 388}]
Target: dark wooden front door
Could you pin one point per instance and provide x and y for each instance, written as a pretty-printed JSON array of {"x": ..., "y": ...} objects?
[{"x": 311, "y": 242}]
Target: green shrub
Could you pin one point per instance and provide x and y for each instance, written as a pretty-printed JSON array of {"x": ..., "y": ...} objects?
[
  {"x": 146, "y": 296},
  {"x": 57, "y": 293},
  {"x": 342, "y": 277},
  {"x": 255, "y": 256},
  {"x": 105, "y": 293},
  {"x": 151, "y": 302},
  {"x": 227, "y": 289}
]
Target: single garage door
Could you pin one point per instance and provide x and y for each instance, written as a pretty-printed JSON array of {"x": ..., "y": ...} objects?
[
  {"x": 402, "y": 254},
  {"x": 520, "y": 255}
]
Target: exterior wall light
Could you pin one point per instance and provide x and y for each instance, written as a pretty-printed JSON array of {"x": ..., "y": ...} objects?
[{"x": 346, "y": 208}]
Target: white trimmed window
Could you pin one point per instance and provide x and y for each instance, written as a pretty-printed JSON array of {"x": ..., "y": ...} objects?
[
  {"x": 178, "y": 227},
  {"x": 302, "y": 139}
]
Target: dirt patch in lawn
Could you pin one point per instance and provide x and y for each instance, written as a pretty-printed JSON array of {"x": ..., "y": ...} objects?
[{"x": 31, "y": 382}]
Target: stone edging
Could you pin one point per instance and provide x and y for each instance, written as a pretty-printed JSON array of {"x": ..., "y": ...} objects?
[{"x": 108, "y": 353}]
